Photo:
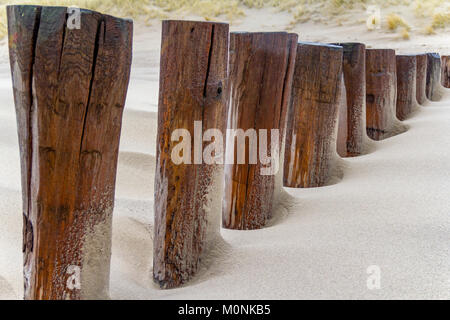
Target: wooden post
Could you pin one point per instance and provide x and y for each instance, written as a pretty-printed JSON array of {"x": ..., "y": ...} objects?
[
  {"x": 310, "y": 153},
  {"x": 445, "y": 74},
  {"x": 406, "y": 85},
  {"x": 421, "y": 78},
  {"x": 433, "y": 76},
  {"x": 261, "y": 70},
  {"x": 69, "y": 90},
  {"x": 193, "y": 87},
  {"x": 381, "y": 93},
  {"x": 352, "y": 113}
]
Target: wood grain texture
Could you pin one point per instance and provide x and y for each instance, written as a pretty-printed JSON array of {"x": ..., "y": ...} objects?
[
  {"x": 421, "y": 78},
  {"x": 193, "y": 87},
  {"x": 433, "y": 76},
  {"x": 69, "y": 89},
  {"x": 406, "y": 86},
  {"x": 310, "y": 151},
  {"x": 261, "y": 70},
  {"x": 381, "y": 93},
  {"x": 445, "y": 71},
  {"x": 352, "y": 114}
]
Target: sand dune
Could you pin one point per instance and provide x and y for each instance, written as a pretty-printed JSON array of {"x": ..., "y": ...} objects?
[
  {"x": 133, "y": 167},
  {"x": 139, "y": 130}
]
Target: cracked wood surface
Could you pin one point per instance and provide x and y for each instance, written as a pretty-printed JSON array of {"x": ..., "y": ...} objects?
[
  {"x": 193, "y": 87},
  {"x": 310, "y": 152},
  {"x": 261, "y": 70},
  {"x": 69, "y": 91}
]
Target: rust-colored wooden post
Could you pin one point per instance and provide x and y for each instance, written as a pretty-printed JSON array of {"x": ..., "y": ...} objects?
[
  {"x": 69, "y": 90},
  {"x": 445, "y": 74},
  {"x": 421, "y": 78},
  {"x": 406, "y": 86},
  {"x": 193, "y": 87},
  {"x": 261, "y": 70},
  {"x": 433, "y": 76},
  {"x": 352, "y": 113},
  {"x": 381, "y": 94},
  {"x": 311, "y": 159}
]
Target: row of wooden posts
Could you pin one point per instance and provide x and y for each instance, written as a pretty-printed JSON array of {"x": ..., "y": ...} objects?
[{"x": 69, "y": 90}]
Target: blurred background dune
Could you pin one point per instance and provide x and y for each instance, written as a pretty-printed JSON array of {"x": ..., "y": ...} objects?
[{"x": 405, "y": 18}]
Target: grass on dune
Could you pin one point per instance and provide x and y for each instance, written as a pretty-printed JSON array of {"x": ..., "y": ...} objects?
[
  {"x": 394, "y": 21},
  {"x": 441, "y": 20}
]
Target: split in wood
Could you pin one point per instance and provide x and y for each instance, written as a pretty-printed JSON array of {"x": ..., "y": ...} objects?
[
  {"x": 261, "y": 70},
  {"x": 69, "y": 91},
  {"x": 311, "y": 159}
]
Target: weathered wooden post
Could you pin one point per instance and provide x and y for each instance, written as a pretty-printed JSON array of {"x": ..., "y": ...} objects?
[
  {"x": 69, "y": 90},
  {"x": 445, "y": 74},
  {"x": 433, "y": 76},
  {"x": 381, "y": 94},
  {"x": 352, "y": 113},
  {"x": 311, "y": 159},
  {"x": 192, "y": 99},
  {"x": 421, "y": 78},
  {"x": 261, "y": 70},
  {"x": 406, "y": 86}
]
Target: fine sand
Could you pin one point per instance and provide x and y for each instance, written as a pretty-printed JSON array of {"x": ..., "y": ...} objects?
[{"x": 391, "y": 209}]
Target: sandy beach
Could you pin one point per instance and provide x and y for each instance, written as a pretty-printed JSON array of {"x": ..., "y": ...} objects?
[{"x": 390, "y": 210}]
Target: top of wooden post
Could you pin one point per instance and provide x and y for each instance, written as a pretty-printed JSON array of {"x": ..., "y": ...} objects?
[
  {"x": 320, "y": 44},
  {"x": 407, "y": 55},
  {"x": 348, "y": 45},
  {"x": 260, "y": 32},
  {"x": 380, "y": 50},
  {"x": 192, "y": 21},
  {"x": 82, "y": 10}
]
